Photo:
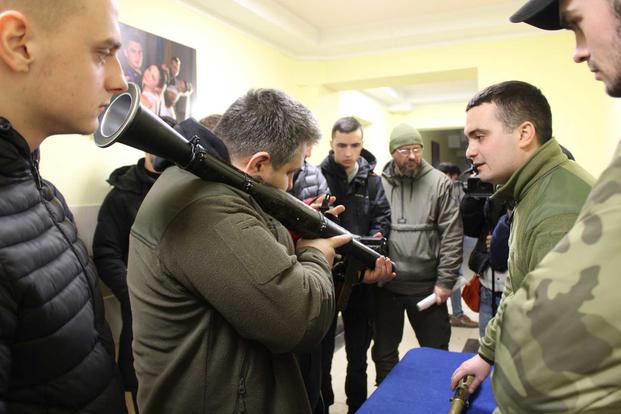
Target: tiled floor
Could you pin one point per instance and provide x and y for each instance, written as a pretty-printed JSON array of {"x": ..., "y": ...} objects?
[{"x": 459, "y": 336}]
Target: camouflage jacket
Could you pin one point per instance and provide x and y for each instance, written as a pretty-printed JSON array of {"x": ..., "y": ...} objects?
[
  {"x": 559, "y": 349},
  {"x": 549, "y": 191}
]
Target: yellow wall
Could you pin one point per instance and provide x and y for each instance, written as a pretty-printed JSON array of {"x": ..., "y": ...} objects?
[
  {"x": 229, "y": 62},
  {"x": 583, "y": 117}
]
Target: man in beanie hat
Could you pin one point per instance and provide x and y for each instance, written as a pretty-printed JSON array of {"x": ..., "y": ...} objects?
[
  {"x": 577, "y": 366},
  {"x": 426, "y": 245},
  {"x": 348, "y": 168},
  {"x": 509, "y": 130}
]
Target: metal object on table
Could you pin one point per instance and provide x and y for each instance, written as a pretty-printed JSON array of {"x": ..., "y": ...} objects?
[{"x": 461, "y": 399}]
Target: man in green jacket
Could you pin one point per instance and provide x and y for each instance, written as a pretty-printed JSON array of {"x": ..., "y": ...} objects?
[
  {"x": 560, "y": 345},
  {"x": 221, "y": 297},
  {"x": 509, "y": 130}
]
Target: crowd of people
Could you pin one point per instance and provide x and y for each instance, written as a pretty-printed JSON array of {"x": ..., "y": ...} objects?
[{"x": 224, "y": 309}]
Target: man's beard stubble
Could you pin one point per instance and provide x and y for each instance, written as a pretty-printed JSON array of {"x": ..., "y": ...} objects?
[
  {"x": 614, "y": 89},
  {"x": 407, "y": 169}
]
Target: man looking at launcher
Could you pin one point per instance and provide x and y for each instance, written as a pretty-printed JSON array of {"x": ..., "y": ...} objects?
[{"x": 221, "y": 297}]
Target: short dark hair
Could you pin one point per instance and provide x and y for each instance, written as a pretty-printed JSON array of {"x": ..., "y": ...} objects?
[
  {"x": 616, "y": 5},
  {"x": 346, "y": 125},
  {"x": 449, "y": 168},
  {"x": 211, "y": 121},
  {"x": 267, "y": 120},
  {"x": 164, "y": 75},
  {"x": 172, "y": 122},
  {"x": 518, "y": 102},
  {"x": 132, "y": 38}
]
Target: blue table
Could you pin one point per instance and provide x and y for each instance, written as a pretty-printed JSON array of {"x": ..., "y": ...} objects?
[{"x": 421, "y": 383}]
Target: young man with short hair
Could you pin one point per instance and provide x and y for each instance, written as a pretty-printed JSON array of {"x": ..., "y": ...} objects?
[
  {"x": 509, "y": 130},
  {"x": 58, "y": 71},
  {"x": 560, "y": 345},
  {"x": 348, "y": 168}
]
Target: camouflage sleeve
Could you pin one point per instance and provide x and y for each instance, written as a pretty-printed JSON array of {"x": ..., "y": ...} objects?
[{"x": 559, "y": 349}]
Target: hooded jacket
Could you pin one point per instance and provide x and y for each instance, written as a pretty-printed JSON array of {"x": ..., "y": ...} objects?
[
  {"x": 117, "y": 213},
  {"x": 111, "y": 244},
  {"x": 56, "y": 350},
  {"x": 367, "y": 210},
  {"x": 426, "y": 233}
]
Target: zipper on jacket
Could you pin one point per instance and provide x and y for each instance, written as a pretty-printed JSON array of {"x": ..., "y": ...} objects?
[
  {"x": 241, "y": 391},
  {"x": 402, "y": 219},
  {"x": 241, "y": 388},
  {"x": 34, "y": 166}
]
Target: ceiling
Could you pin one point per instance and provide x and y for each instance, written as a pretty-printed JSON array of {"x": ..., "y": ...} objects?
[
  {"x": 405, "y": 97},
  {"x": 322, "y": 29}
]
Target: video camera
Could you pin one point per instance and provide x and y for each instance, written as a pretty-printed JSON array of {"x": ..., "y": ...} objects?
[{"x": 474, "y": 187}]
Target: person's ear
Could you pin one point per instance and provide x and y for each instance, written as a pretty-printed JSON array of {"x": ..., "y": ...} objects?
[
  {"x": 528, "y": 135},
  {"x": 15, "y": 41},
  {"x": 257, "y": 163}
]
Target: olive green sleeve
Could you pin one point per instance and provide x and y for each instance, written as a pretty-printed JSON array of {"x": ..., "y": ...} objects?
[
  {"x": 533, "y": 247},
  {"x": 232, "y": 259}
]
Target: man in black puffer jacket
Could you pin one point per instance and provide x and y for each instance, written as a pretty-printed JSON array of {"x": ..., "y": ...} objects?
[
  {"x": 58, "y": 68},
  {"x": 309, "y": 182},
  {"x": 348, "y": 168},
  {"x": 111, "y": 245}
]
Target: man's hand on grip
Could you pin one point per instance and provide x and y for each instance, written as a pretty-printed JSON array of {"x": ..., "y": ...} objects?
[{"x": 325, "y": 246}]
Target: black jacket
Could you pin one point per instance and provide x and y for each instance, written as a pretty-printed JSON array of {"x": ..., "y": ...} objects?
[
  {"x": 111, "y": 245},
  {"x": 56, "y": 350},
  {"x": 116, "y": 216},
  {"x": 366, "y": 208},
  {"x": 481, "y": 217},
  {"x": 309, "y": 182}
]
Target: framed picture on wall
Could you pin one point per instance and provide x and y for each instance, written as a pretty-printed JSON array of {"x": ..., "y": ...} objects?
[{"x": 164, "y": 70}]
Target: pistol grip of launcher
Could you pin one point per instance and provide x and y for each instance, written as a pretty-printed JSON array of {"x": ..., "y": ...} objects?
[
  {"x": 365, "y": 250},
  {"x": 431, "y": 299}
]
